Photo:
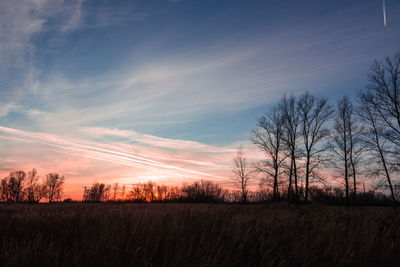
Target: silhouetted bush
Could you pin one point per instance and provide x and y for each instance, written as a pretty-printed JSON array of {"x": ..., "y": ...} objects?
[{"x": 202, "y": 191}]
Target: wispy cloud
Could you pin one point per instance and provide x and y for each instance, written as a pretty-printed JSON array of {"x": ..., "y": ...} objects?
[
  {"x": 74, "y": 16},
  {"x": 99, "y": 152},
  {"x": 153, "y": 140},
  {"x": 6, "y": 108},
  {"x": 21, "y": 22},
  {"x": 173, "y": 161}
]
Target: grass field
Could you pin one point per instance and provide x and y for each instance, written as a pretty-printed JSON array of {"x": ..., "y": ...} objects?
[{"x": 198, "y": 235}]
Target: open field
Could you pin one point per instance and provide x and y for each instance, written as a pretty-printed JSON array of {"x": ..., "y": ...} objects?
[{"x": 198, "y": 235}]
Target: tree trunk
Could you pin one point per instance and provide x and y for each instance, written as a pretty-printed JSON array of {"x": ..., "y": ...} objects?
[
  {"x": 307, "y": 175},
  {"x": 346, "y": 178},
  {"x": 388, "y": 177},
  {"x": 354, "y": 180},
  {"x": 276, "y": 184},
  {"x": 244, "y": 193},
  {"x": 289, "y": 194},
  {"x": 295, "y": 180}
]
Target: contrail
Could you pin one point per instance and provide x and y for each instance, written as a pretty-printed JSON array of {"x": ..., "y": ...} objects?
[
  {"x": 384, "y": 12},
  {"x": 90, "y": 150}
]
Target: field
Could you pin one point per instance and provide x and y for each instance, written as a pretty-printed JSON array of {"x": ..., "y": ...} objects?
[{"x": 75, "y": 234}]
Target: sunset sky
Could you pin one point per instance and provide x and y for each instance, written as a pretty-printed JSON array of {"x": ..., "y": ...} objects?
[{"x": 131, "y": 91}]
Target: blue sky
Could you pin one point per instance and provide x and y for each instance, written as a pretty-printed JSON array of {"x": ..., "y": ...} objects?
[{"x": 199, "y": 71}]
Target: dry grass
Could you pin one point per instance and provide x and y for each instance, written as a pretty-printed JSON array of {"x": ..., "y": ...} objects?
[{"x": 198, "y": 235}]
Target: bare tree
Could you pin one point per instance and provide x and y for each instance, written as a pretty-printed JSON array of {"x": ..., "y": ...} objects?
[
  {"x": 381, "y": 110},
  {"x": 54, "y": 186},
  {"x": 123, "y": 192},
  {"x": 148, "y": 189},
  {"x": 137, "y": 193},
  {"x": 16, "y": 185},
  {"x": 174, "y": 193},
  {"x": 39, "y": 192},
  {"x": 268, "y": 137},
  {"x": 115, "y": 191},
  {"x": 161, "y": 192},
  {"x": 107, "y": 193},
  {"x": 241, "y": 172},
  {"x": 384, "y": 100},
  {"x": 356, "y": 148},
  {"x": 346, "y": 140},
  {"x": 292, "y": 121},
  {"x": 314, "y": 113},
  {"x": 32, "y": 186},
  {"x": 20, "y": 186},
  {"x": 202, "y": 191},
  {"x": 95, "y": 193},
  {"x": 373, "y": 134},
  {"x": 5, "y": 190}
]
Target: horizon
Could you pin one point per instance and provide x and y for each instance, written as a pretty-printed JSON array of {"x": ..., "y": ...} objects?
[{"x": 127, "y": 92}]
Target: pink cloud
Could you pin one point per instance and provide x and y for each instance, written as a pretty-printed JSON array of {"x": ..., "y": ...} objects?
[
  {"x": 153, "y": 140},
  {"x": 82, "y": 162}
]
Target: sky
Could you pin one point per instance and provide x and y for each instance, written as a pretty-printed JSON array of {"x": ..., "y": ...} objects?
[{"x": 131, "y": 91}]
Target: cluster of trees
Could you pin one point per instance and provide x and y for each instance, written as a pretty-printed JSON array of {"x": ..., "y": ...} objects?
[
  {"x": 197, "y": 191},
  {"x": 20, "y": 186},
  {"x": 300, "y": 135},
  {"x": 99, "y": 192},
  {"x": 151, "y": 191},
  {"x": 204, "y": 191}
]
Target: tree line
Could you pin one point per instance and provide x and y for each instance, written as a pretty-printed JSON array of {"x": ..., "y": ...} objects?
[
  {"x": 302, "y": 135},
  {"x": 21, "y": 186},
  {"x": 203, "y": 191},
  {"x": 197, "y": 191}
]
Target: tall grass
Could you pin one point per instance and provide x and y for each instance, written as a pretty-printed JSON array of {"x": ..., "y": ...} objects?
[{"x": 76, "y": 234}]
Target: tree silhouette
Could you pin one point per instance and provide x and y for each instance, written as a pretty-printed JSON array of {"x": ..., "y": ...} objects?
[
  {"x": 314, "y": 114},
  {"x": 241, "y": 174},
  {"x": 292, "y": 121},
  {"x": 383, "y": 97},
  {"x": 343, "y": 149},
  {"x": 269, "y": 138},
  {"x": 54, "y": 186},
  {"x": 374, "y": 139}
]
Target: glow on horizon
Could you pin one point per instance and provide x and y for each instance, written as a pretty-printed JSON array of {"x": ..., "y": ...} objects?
[{"x": 123, "y": 163}]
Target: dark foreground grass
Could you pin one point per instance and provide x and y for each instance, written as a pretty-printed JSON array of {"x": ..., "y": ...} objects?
[{"x": 198, "y": 235}]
